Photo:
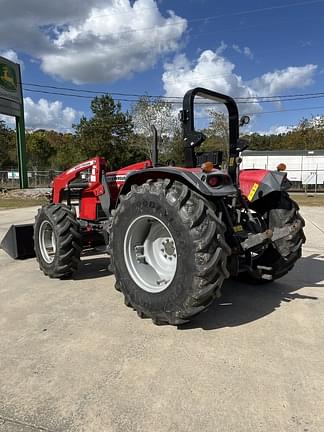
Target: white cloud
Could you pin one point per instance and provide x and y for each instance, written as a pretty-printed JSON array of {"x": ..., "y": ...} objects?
[
  {"x": 274, "y": 83},
  {"x": 49, "y": 115},
  {"x": 211, "y": 70},
  {"x": 214, "y": 71},
  {"x": 26, "y": 27},
  {"x": 245, "y": 50},
  {"x": 93, "y": 40},
  {"x": 276, "y": 130},
  {"x": 114, "y": 42},
  {"x": 44, "y": 114}
]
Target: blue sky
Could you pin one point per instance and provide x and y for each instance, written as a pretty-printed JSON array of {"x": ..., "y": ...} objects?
[{"x": 245, "y": 49}]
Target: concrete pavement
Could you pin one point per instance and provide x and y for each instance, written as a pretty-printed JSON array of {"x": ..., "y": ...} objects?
[{"x": 74, "y": 358}]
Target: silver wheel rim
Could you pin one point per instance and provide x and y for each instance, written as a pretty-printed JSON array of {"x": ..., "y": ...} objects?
[
  {"x": 150, "y": 254},
  {"x": 47, "y": 242}
]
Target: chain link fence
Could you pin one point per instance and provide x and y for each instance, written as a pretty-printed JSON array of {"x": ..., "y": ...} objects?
[
  {"x": 9, "y": 179},
  {"x": 308, "y": 181}
]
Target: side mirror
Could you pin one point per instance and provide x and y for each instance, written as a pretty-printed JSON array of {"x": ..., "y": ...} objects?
[
  {"x": 244, "y": 120},
  {"x": 242, "y": 144}
]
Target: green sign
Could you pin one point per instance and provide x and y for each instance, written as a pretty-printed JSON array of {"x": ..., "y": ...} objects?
[
  {"x": 11, "y": 103},
  {"x": 10, "y": 88},
  {"x": 8, "y": 77}
]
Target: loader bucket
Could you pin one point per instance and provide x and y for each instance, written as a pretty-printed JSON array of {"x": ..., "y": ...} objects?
[{"x": 19, "y": 242}]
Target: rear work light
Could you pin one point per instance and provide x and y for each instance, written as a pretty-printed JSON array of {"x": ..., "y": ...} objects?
[
  {"x": 214, "y": 180},
  {"x": 207, "y": 167},
  {"x": 281, "y": 167}
]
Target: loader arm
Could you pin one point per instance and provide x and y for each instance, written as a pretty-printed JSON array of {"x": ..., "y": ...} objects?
[
  {"x": 90, "y": 189},
  {"x": 92, "y": 184}
]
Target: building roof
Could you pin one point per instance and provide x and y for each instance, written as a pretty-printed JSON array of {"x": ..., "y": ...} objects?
[{"x": 283, "y": 153}]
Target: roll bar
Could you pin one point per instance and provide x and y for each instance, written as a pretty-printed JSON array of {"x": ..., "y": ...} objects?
[{"x": 193, "y": 138}]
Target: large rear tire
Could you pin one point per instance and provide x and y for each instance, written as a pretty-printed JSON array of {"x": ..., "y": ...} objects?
[
  {"x": 281, "y": 255},
  {"x": 168, "y": 251},
  {"x": 57, "y": 240}
]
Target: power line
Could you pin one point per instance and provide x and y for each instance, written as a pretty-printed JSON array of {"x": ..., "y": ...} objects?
[
  {"x": 240, "y": 99},
  {"x": 274, "y": 111},
  {"x": 251, "y": 113},
  {"x": 210, "y": 18},
  {"x": 287, "y": 110},
  {"x": 286, "y": 98},
  {"x": 251, "y": 11}
]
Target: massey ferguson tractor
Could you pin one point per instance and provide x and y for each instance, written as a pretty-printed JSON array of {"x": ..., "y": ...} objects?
[{"x": 174, "y": 234}]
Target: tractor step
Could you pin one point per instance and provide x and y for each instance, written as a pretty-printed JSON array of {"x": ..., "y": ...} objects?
[
  {"x": 18, "y": 242},
  {"x": 265, "y": 272}
]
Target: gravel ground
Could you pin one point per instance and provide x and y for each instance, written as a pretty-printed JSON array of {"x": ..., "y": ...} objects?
[
  {"x": 74, "y": 358},
  {"x": 25, "y": 193}
]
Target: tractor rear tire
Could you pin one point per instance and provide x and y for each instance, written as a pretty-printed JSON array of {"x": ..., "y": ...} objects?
[
  {"x": 282, "y": 254},
  {"x": 168, "y": 251},
  {"x": 57, "y": 240}
]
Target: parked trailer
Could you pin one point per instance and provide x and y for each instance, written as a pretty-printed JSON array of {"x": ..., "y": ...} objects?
[{"x": 304, "y": 167}]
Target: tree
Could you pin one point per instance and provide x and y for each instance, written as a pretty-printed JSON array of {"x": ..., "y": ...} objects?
[
  {"x": 148, "y": 112},
  {"x": 39, "y": 150},
  {"x": 216, "y": 133},
  {"x": 67, "y": 151},
  {"x": 108, "y": 133},
  {"x": 8, "y": 152}
]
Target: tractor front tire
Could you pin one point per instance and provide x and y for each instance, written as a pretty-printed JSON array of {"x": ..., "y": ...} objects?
[
  {"x": 57, "y": 240},
  {"x": 168, "y": 251}
]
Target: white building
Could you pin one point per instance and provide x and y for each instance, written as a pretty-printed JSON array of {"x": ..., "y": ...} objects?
[{"x": 304, "y": 167}]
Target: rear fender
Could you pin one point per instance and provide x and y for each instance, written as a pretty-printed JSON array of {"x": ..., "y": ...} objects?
[
  {"x": 192, "y": 179},
  {"x": 258, "y": 183}
]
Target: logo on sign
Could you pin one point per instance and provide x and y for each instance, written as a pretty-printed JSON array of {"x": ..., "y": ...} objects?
[{"x": 8, "y": 79}]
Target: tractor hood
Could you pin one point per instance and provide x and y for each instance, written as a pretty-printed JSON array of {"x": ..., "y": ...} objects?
[{"x": 257, "y": 183}]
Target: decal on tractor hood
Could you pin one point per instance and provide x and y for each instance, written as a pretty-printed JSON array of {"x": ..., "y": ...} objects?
[
  {"x": 253, "y": 191},
  {"x": 115, "y": 178},
  {"x": 82, "y": 165}
]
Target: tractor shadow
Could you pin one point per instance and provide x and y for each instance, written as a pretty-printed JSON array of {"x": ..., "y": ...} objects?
[
  {"x": 94, "y": 264},
  {"x": 242, "y": 303}
]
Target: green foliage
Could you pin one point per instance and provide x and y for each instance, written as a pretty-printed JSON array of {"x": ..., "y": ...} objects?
[
  {"x": 308, "y": 135},
  {"x": 39, "y": 150},
  {"x": 175, "y": 149},
  {"x": 124, "y": 139},
  {"x": 149, "y": 112},
  {"x": 8, "y": 157},
  {"x": 216, "y": 133},
  {"x": 67, "y": 151},
  {"x": 107, "y": 133}
]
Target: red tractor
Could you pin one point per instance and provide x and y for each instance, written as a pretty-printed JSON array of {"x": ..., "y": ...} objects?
[{"x": 174, "y": 233}]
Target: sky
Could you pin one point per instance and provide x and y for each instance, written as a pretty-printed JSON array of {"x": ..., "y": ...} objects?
[{"x": 247, "y": 50}]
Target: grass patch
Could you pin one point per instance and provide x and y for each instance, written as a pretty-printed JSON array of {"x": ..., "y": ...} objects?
[
  {"x": 14, "y": 202},
  {"x": 308, "y": 200}
]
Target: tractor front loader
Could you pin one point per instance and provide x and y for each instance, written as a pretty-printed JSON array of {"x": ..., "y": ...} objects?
[{"x": 174, "y": 234}]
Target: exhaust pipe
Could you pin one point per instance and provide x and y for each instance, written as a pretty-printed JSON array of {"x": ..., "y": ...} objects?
[{"x": 19, "y": 241}]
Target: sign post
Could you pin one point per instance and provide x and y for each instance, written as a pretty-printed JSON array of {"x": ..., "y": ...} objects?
[{"x": 11, "y": 103}]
